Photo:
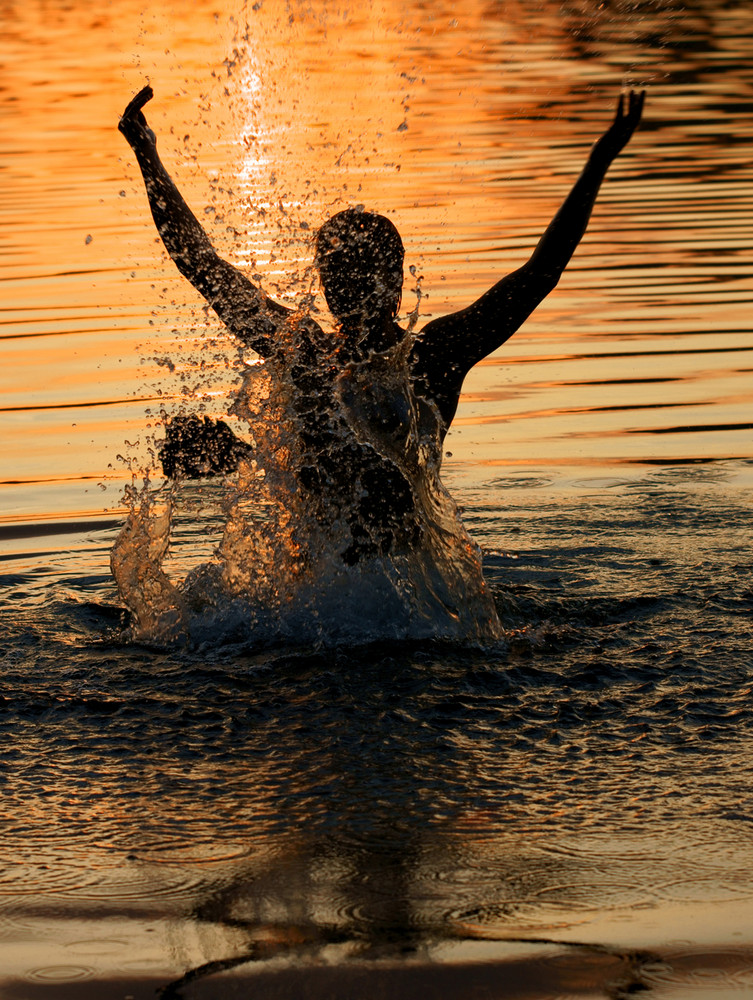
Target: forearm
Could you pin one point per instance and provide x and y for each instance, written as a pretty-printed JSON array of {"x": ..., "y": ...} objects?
[
  {"x": 566, "y": 230},
  {"x": 180, "y": 230}
]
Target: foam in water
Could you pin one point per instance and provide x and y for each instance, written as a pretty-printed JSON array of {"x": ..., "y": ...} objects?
[{"x": 282, "y": 572}]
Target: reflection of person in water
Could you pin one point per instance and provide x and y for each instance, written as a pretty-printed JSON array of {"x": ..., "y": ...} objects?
[{"x": 359, "y": 256}]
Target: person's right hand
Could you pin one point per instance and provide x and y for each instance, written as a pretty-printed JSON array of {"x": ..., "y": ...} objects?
[
  {"x": 133, "y": 124},
  {"x": 196, "y": 449}
]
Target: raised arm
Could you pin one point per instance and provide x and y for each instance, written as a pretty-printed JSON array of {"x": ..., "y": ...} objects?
[
  {"x": 564, "y": 233},
  {"x": 450, "y": 346},
  {"x": 243, "y": 308}
]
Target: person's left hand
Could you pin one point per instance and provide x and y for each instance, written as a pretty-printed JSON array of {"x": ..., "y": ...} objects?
[{"x": 625, "y": 123}]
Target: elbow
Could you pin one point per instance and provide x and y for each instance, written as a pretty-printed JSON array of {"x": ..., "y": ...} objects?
[
  {"x": 545, "y": 279},
  {"x": 550, "y": 280},
  {"x": 543, "y": 269}
]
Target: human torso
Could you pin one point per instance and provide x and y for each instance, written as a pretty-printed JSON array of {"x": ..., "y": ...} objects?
[{"x": 360, "y": 441}]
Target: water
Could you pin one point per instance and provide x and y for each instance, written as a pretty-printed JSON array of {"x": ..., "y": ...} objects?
[
  {"x": 335, "y": 526},
  {"x": 564, "y": 811}
]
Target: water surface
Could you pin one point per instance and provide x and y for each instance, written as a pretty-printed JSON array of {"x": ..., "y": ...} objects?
[{"x": 565, "y": 810}]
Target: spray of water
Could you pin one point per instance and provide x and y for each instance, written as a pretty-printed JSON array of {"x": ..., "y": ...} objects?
[
  {"x": 335, "y": 524},
  {"x": 372, "y": 548}
]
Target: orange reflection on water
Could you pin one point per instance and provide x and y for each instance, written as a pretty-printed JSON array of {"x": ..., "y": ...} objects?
[{"x": 467, "y": 128}]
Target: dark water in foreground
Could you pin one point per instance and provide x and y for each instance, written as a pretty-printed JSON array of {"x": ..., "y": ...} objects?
[{"x": 367, "y": 813}]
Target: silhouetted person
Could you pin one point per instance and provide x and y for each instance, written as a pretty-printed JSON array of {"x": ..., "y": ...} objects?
[{"x": 359, "y": 256}]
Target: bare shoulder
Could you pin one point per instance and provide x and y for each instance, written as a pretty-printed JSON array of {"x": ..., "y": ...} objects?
[{"x": 484, "y": 324}]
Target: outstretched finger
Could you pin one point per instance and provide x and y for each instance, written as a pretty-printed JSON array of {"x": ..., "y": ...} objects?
[{"x": 143, "y": 97}]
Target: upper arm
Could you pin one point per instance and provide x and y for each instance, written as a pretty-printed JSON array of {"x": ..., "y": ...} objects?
[
  {"x": 242, "y": 306},
  {"x": 448, "y": 347}
]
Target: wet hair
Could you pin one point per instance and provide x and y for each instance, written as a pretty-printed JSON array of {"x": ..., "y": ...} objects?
[{"x": 359, "y": 256}]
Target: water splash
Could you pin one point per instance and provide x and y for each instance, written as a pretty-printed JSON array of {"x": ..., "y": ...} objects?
[
  {"x": 337, "y": 527},
  {"x": 335, "y": 524}
]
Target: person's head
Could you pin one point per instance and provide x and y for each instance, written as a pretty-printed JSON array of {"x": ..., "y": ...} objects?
[{"x": 359, "y": 256}]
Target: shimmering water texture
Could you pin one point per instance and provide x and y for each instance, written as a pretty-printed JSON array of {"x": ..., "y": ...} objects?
[
  {"x": 567, "y": 811},
  {"x": 536, "y": 783}
]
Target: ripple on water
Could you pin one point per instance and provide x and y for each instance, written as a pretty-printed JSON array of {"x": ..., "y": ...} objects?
[
  {"x": 520, "y": 482},
  {"x": 54, "y": 878},
  {"x": 601, "y": 483},
  {"x": 97, "y": 947},
  {"x": 67, "y": 886},
  {"x": 715, "y": 887},
  {"x": 59, "y": 974},
  {"x": 694, "y": 971},
  {"x": 147, "y": 886},
  {"x": 192, "y": 853}
]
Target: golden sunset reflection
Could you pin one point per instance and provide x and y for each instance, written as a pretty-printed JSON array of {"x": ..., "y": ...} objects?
[
  {"x": 466, "y": 130},
  {"x": 550, "y": 807}
]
